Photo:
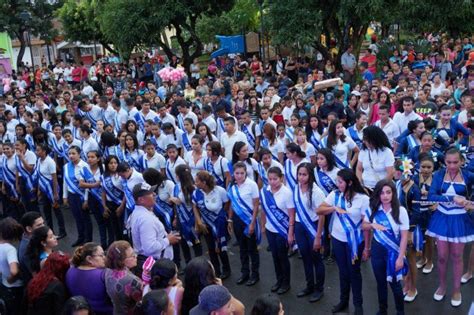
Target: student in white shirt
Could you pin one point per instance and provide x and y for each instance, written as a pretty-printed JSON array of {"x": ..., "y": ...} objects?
[
  {"x": 402, "y": 119},
  {"x": 344, "y": 148},
  {"x": 266, "y": 162},
  {"x": 346, "y": 203},
  {"x": 231, "y": 136},
  {"x": 49, "y": 188},
  {"x": 188, "y": 133},
  {"x": 278, "y": 216},
  {"x": 388, "y": 220},
  {"x": 244, "y": 197},
  {"x": 133, "y": 153},
  {"x": 196, "y": 158},
  {"x": 25, "y": 166},
  {"x": 207, "y": 118},
  {"x": 272, "y": 143},
  {"x": 112, "y": 195},
  {"x": 173, "y": 135},
  {"x": 214, "y": 219},
  {"x": 376, "y": 158},
  {"x": 386, "y": 124},
  {"x": 251, "y": 131},
  {"x": 172, "y": 162},
  {"x": 185, "y": 112},
  {"x": 152, "y": 159},
  {"x": 164, "y": 116},
  {"x": 217, "y": 165},
  {"x": 205, "y": 132},
  {"x": 240, "y": 153},
  {"x": 88, "y": 142}
]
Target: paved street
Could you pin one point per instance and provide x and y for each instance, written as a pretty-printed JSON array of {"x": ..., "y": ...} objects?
[{"x": 424, "y": 304}]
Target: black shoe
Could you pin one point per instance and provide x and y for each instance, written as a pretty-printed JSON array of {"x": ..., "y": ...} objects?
[
  {"x": 275, "y": 287},
  {"x": 77, "y": 243},
  {"x": 359, "y": 310},
  {"x": 61, "y": 235},
  {"x": 225, "y": 275},
  {"x": 283, "y": 289},
  {"x": 340, "y": 307},
  {"x": 252, "y": 281},
  {"x": 318, "y": 295},
  {"x": 242, "y": 279},
  {"x": 268, "y": 248},
  {"x": 306, "y": 291},
  {"x": 292, "y": 252}
]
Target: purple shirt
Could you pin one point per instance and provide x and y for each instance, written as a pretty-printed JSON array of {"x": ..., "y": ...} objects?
[{"x": 91, "y": 285}]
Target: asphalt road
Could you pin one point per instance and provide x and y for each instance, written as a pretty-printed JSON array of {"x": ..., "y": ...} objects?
[{"x": 424, "y": 303}]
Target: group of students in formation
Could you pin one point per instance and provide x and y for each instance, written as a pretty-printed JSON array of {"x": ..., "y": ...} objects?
[{"x": 350, "y": 193}]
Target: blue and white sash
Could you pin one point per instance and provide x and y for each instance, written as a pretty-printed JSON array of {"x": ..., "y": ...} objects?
[
  {"x": 266, "y": 144},
  {"x": 315, "y": 142},
  {"x": 339, "y": 163},
  {"x": 118, "y": 152},
  {"x": 28, "y": 178},
  {"x": 117, "y": 124},
  {"x": 186, "y": 219},
  {"x": 277, "y": 217},
  {"x": 131, "y": 161},
  {"x": 355, "y": 136},
  {"x": 290, "y": 133},
  {"x": 57, "y": 148},
  {"x": 91, "y": 118},
  {"x": 209, "y": 166},
  {"x": 45, "y": 185},
  {"x": 169, "y": 172},
  {"x": 31, "y": 142},
  {"x": 325, "y": 182},
  {"x": 9, "y": 178},
  {"x": 186, "y": 143},
  {"x": 244, "y": 211},
  {"x": 216, "y": 221},
  {"x": 290, "y": 178},
  {"x": 129, "y": 201},
  {"x": 140, "y": 120},
  {"x": 157, "y": 147},
  {"x": 388, "y": 240},
  {"x": 263, "y": 174},
  {"x": 302, "y": 213},
  {"x": 220, "y": 121},
  {"x": 95, "y": 192},
  {"x": 164, "y": 211},
  {"x": 143, "y": 163},
  {"x": 352, "y": 230},
  {"x": 180, "y": 122},
  {"x": 71, "y": 181},
  {"x": 418, "y": 240},
  {"x": 411, "y": 141},
  {"x": 250, "y": 136},
  {"x": 114, "y": 193}
]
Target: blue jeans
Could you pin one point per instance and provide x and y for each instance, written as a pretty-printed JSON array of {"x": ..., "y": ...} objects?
[
  {"x": 312, "y": 261},
  {"x": 379, "y": 265},
  {"x": 82, "y": 218},
  {"x": 279, "y": 248},
  {"x": 349, "y": 274}
]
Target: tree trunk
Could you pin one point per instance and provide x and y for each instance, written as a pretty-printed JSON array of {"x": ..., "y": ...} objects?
[
  {"x": 76, "y": 52},
  {"x": 109, "y": 48},
  {"x": 21, "y": 52}
]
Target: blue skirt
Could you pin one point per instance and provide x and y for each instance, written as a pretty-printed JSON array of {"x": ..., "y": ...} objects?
[{"x": 455, "y": 228}]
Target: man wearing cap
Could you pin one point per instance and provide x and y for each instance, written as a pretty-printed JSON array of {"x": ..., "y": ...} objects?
[
  {"x": 216, "y": 300},
  {"x": 148, "y": 233},
  {"x": 330, "y": 105}
]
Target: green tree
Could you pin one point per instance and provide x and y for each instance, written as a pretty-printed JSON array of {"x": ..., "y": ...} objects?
[{"x": 39, "y": 24}]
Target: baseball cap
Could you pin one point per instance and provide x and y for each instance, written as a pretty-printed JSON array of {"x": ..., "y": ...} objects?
[
  {"x": 142, "y": 189},
  {"x": 329, "y": 98},
  {"x": 211, "y": 298}
]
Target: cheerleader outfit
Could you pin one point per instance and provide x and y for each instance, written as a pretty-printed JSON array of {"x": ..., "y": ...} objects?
[{"x": 450, "y": 222}]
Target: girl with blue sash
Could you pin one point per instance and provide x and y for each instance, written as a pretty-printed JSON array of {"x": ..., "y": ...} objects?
[
  {"x": 48, "y": 185},
  {"x": 266, "y": 162},
  {"x": 88, "y": 141},
  {"x": 244, "y": 198},
  {"x": 240, "y": 153},
  {"x": 314, "y": 131},
  {"x": 390, "y": 223},
  {"x": 9, "y": 187},
  {"x": 173, "y": 135},
  {"x": 90, "y": 180},
  {"x": 152, "y": 159},
  {"x": 197, "y": 156},
  {"x": 450, "y": 224},
  {"x": 74, "y": 196},
  {"x": 278, "y": 217},
  {"x": 173, "y": 161},
  {"x": 306, "y": 147},
  {"x": 426, "y": 147},
  {"x": 132, "y": 127},
  {"x": 211, "y": 210},
  {"x": 271, "y": 142},
  {"x": 348, "y": 204},
  {"x": 188, "y": 134},
  {"x": 69, "y": 141},
  {"x": 157, "y": 138},
  {"x": 25, "y": 165},
  {"x": 356, "y": 131},
  {"x": 56, "y": 143},
  {"x": 307, "y": 197},
  {"x": 408, "y": 142},
  {"x": 182, "y": 199},
  {"x": 342, "y": 146},
  {"x": 294, "y": 158},
  {"x": 449, "y": 128},
  {"x": 216, "y": 164},
  {"x": 423, "y": 180},
  {"x": 132, "y": 151},
  {"x": 113, "y": 201}
]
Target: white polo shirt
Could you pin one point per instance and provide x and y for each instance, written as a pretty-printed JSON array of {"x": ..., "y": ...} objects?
[
  {"x": 402, "y": 120},
  {"x": 248, "y": 192},
  {"x": 47, "y": 167},
  {"x": 215, "y": 199},
  {"x": 391, "y": 129},
  {"x": 283, "y": 200},
  {"x": 317, "y": 198},
  {"x": 228, "y": 142},
  {"x": 402, "y": 217},
  {"x": 375, "y": 163}
]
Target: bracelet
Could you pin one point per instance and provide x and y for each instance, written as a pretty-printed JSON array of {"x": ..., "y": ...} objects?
[
  {"x": 292, "y": 224},
  {"x": 229, "y": 221}
]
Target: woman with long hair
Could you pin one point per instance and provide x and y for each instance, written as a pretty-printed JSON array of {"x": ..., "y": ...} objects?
[
  {"x": 450, "y": 223},
  {"x": 295, "y": 156},
  {"x": 151, "y": 158},
  {"x": 307, "y": 147},
  {"x": 41, "y": 245},
  {"x": 266, "y": 162},
  {"x": 409, "y": 141},
  {"x": 240, "y": 153},
  {"x": 172, "y": 152},
  {"x": 348, "y": 204},
  {"x": 26, "y": 183},
  {"x": 449, "y": 128},
  {"x": 133, "y": 153},
  {"x": 216, "y": 164},
  {"x": 9, "y": 189},
  {"x": 213, "y": 219},
  {"x": 182, "y": 199},
  {"x": 390, "y": 224},
  {"x": 271, "y": 142},
  {"x": 123, "y": 287},
  {"x": 88, "y": 141},
  {"x": 205, "y": 132},
  {"x": 376, "y": 158},
  {"x": 279, "y": 220},
  {"x": 74, "y": 195},
  {"x": 188, "y": 134},
  {"x": 244, "y": 197},
  {"x": 307, "y": 197},
  {"x": 383, "y": 99},
  {"x": 344, "y": 148},
  {"x": 86, "y": 277},
  {"x": 196, "y": 157},
  {"x": 46, "y": 292}
]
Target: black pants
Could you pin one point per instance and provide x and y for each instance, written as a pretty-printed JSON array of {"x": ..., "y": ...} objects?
[
  {"x": 185, "y": 247},
  {"x": 12, "y": 298},
  {"x": 28, "y": 197},
  {"x": 249, "y": 256},
  {"x": 106, "y": 231},
  {"x": 279, "y": 248},
  {"x": 116, "y": 221},
  {"x": 326, "y": 239},
  {"x": 214, "y": 256},
  {"x": 48, "y": 210},
  {"x": 312, "y": 261}
]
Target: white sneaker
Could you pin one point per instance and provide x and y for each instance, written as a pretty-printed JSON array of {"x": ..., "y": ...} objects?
[
  {"x": 456, "y": 303},
  {"x": 465, "y": 279},
  {"x": 427, "y": 270},
  {"x": 420, "y": 264},
  {"x": 438, "y": 297},
  {"x": 410, "y": 298}
]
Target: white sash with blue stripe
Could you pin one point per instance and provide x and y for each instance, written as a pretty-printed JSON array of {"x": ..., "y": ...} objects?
[
  {"x": 262, "y": 173},
  {"x": 325, "y": 182},
  {"x": 186, "y": 142},
  {"x": 186, "y": 218},
  {"x": 244, "y": 211},
  {"x": 355, "y": 136},
  {"x": 27, "y": 176},
  {"x": 114, "y": 193},
  {"x": 71, "y": 180},
  {"x": 277, "y": 217},
  {"x": 352, "y": 230},
  {"x": 302, "y": 213},
  {"x": 9, "y": 178},
  {"x": 290, "y": 178},
  {"x": 249, "y": 135},
  {"x": 209, "y": 166}
]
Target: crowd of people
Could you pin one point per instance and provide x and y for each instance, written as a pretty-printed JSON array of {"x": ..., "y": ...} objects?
[{"x": 374, "y": 166}]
